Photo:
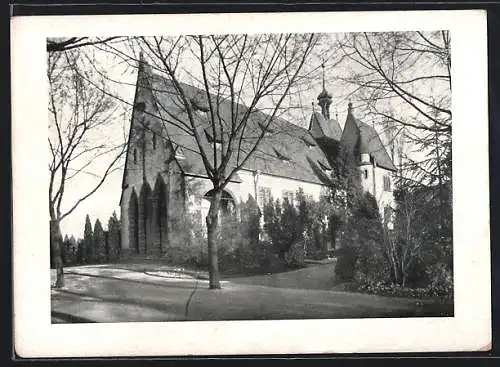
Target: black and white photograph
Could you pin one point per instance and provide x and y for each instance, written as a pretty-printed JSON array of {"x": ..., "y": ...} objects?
[{"x": 230, "y": 176}]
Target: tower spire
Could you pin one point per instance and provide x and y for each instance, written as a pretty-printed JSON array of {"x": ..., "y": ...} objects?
[
  {"x": 324, "y": 98},
  {"x": 323, "y": 68}
]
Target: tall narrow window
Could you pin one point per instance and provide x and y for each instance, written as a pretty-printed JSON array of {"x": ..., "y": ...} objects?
[
  {"x": 135, "y": 155},
  {"x": 365, "y": 173},
  {"x": 154, "y": 141},
  {"x": 264, "y": 195},
  {"x": 387, "y": 183},
  {"x": 289, "y": 196}
]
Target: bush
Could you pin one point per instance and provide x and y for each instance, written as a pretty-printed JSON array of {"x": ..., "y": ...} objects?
[
  {"x": 346, "y": 263},
  {"x": 294, "y": 258},
  {"x": 440, "y": 280},
  {"x": 361, "y": 257},
  {"x": 113, "y": 246},
  {"x": 188, "y": 245}
]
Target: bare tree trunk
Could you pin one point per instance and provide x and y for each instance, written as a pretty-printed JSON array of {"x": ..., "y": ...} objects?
[
  {"x": 56, "y": 241},
  {"x": 212, "y": 234}
]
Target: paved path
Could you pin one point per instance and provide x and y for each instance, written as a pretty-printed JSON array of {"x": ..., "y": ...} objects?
[{"x": 107, "y": 294}]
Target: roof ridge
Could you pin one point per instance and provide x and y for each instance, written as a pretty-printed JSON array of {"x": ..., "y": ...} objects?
[{"x": 256, "y": 110}]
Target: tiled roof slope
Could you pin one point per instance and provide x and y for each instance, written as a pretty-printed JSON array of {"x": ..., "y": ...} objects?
[
  {"x": 365, "y": 139},
  {"x": 289, "y": 140},
  {"x": 321, "y": 127}
]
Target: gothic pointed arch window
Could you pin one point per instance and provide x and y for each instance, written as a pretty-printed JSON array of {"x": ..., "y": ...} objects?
[
  {"x": 146, "y": 217},
  {"x": 133, "y": 220},
  {"x": 160, "y": 213},
  {"x": 227, "y": 201}
]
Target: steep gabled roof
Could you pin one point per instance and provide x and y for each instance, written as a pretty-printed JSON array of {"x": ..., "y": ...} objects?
[
  {"x": 364, "y": 139},
  {"x": 290, "y": 140},
  {"x": 320, "y": 127}
]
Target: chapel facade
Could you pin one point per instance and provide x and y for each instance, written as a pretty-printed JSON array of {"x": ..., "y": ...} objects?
[{"x": 164, "y": 174}]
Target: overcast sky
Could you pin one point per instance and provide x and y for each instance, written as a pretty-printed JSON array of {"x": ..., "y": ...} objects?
[{"x": 122, "y": 81}]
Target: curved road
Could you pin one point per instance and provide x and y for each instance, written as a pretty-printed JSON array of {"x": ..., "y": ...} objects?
[{"x": 109, "y": 294}]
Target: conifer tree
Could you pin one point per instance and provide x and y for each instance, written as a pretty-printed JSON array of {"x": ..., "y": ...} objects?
[
  {"x": 65, "y": 250},
  {"x": 88, "y": 242},
  {"x": 72, "y": 251},
  {"x": 113, "y": 242},
  {"x": 80, "y": 252},
  {"x": 99, "y": 243}
]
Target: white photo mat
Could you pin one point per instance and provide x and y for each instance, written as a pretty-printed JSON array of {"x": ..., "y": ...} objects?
[{"x": 468, "y": 330}]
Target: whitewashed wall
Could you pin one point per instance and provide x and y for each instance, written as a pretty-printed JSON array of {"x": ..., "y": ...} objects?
[
  {"x": 240, "y": 191},
  {"x": 384, "y": 198}
]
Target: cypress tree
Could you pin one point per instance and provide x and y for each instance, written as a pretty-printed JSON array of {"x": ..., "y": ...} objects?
[
  {"x": 99, "y": 243},
  {"x": 113, "y": 242},
  {"x": 88, "y": 243}
]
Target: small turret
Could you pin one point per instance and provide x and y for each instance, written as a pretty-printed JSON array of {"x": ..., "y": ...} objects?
[{"x": 325, "y": 98}]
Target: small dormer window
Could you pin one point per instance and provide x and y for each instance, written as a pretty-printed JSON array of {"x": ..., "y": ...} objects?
[
  {"x": 325, "y": 168},
  {"x": 179, "y": 153},
  {"x": 199, "y": 106},
  {"x": 211, "y": 139},
  {"x": 281, "y": 156},
  {"x": 308, "y": 142},
  {"x": 267, "y": 129}
]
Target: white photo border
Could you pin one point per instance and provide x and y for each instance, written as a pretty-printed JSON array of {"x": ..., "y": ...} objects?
[{"x": 468, "y": 330}]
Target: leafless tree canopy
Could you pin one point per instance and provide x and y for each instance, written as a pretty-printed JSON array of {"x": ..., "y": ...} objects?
[
  {"x": 404, "y": 80},
  {"x": 78, "y": 115},
  {"x": 251, "y": 74},
  {"x": 65, "y": 44}
]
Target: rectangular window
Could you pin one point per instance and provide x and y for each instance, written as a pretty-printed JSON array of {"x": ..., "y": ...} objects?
[
  {"x": 325, "y": 193},
  {"x": 365, "y": 173},
  {"x": 288, "y": 195},
  {"x": 387, "y": 214},
  {"x": 154, "y": 141},
  {"x": 387, "y": 183},
  {"x": 264, "y": 195}
]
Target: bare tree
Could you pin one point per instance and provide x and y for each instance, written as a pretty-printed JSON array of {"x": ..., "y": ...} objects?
[
  {"x": 404, "y": 81},
  {"x": 70, "y": 43},
  {"x": 242, "y": 79},
  {"x": 79, "y": 115}
]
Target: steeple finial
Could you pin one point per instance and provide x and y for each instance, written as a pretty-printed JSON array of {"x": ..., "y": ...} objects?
[
  {"x": 323, "y": 69},
  {"x": 143, "y": 64},
  {"x": 324, "y": 98},
  {"x": 349, "y": 106},
  {"x": 312, "y": 104}
]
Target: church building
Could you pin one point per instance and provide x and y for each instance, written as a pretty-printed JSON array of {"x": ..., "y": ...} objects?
[{"x": 164, "y": 173}]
